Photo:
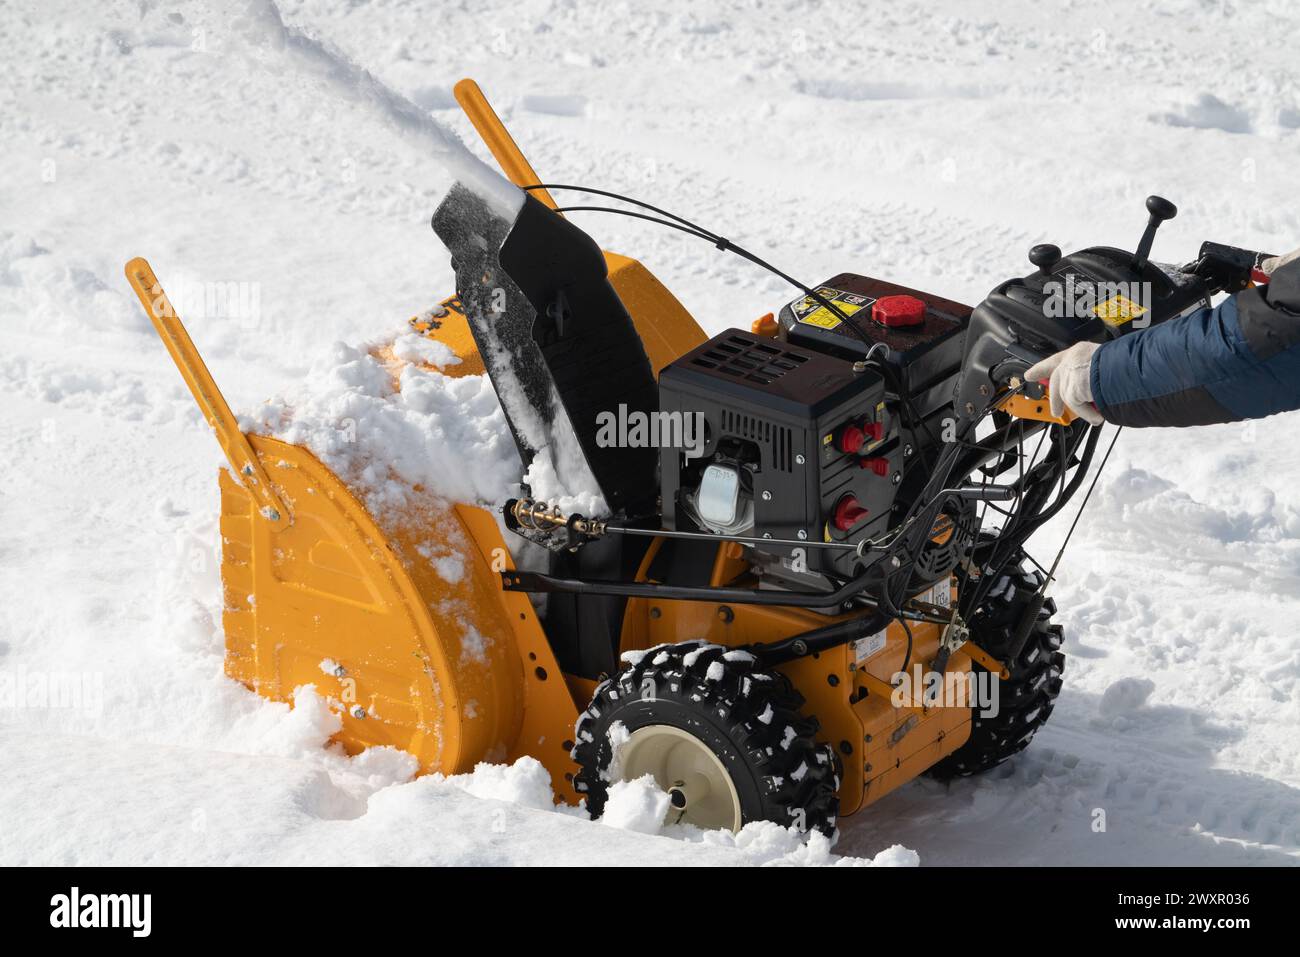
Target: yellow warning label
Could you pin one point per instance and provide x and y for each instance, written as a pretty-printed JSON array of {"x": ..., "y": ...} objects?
[
  {"x": 810, "y": 312},
  {"x": 1118, "y": 310},
  {"x": 823, "y": 317}
]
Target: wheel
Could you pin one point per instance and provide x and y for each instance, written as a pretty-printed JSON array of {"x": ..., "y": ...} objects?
[
  {"x": 1025, "y": 698},
  {"x": 722, "y": 737}
]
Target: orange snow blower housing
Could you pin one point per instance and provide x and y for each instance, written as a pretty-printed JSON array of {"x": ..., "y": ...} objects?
[{"x": 787, "y": 621}]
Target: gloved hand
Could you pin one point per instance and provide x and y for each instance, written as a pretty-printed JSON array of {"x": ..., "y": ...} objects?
[
  {"x": 1268, "y": 266},
  {"x": 1069, "y": 378}
]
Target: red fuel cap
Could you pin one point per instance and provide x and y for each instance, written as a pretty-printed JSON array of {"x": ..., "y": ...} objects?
[
  {"x": 851, "y": 439},
  {"x": 898, "y": 311},
  {"x": 848, "y": 513}
]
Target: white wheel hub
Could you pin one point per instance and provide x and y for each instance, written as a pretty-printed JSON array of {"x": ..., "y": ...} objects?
[{"x": 698, "y": 785}]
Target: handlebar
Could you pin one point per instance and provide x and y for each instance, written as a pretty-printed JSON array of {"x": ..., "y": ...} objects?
[{"x": 1226, "y": 268}]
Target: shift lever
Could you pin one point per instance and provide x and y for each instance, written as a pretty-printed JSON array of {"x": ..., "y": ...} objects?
[{"x": 1160, "y": 210}]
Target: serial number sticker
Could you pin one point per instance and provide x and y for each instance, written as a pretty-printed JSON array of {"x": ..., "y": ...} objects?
[
  {"x": 941, "y": 594},
  {"x": 812, "y": 313},
  {"x": 864, "y": 648},
  {"x": 1118, "y": 310}
]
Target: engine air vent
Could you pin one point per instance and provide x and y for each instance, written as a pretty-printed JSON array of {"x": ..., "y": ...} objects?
[
  {"x": 749, "y": 358},
  {"x": 776, "y": 437}
]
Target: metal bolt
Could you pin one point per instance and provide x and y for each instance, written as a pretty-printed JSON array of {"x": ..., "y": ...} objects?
[
  {"x": 767, "y": 534},
  {"x": 897, "y": 478},
  {"x": 907, "y": 451},
  {"x": 655, "y": 613},
  {"x": 984, "y": 390},
  {"x": 726, "y": 615},
  {"x": 799, "y": 460},
  {"x": 801, "y": 535},
  {"x": 895, "y": 561},
  {"x": 358, "y": 712},
  {"x": 767, "y": 495},
  {"x": 800, "y": 648},
  {"x": 970, "y": 408}
]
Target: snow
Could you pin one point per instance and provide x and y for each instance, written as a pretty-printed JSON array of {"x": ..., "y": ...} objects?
[
  {"x": 637, "y": 805},
  {"x": 279, "y": 48},
  {"x": 384, "y": 438},
  {"x": 278, "y": 148}
]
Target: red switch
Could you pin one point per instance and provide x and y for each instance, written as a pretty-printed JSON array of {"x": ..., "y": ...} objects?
[
  {"x": 851, "y": 439},
  {"x": 848, "y": 513},
  {"x": 878, "y": 464},
  {"x": 898, "y": 311},
  {"x": 875, "y": 431}
]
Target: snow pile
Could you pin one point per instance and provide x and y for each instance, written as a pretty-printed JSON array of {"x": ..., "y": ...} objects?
[
  {"x": 396, "y": 432},
  {"x": 385, "y": 436},
  {"x": 638, "y": 805},
  {"x": 525, "y": 783}
]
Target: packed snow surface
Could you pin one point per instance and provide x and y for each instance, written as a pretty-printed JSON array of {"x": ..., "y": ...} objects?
[{"x": 290, "y": 155}]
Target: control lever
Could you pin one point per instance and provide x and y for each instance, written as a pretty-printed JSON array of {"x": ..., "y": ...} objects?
[{"x": 1160, "y": 210}]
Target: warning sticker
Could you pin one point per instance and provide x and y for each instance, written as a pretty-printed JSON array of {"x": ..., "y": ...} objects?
[
  {"x": 864, "y": 648},
  {"x": 811, "y": 312},
  {"x": 1118, "y": 310}
]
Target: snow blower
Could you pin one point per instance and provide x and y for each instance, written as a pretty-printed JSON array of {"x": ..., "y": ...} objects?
[{"x": 807, "y": 581}]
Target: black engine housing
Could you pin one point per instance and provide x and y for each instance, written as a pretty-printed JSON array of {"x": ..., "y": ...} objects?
[{"x": 776, "y": 411}]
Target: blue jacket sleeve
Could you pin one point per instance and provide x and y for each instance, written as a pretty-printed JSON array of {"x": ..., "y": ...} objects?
[{"x": 1239, "y": 360}]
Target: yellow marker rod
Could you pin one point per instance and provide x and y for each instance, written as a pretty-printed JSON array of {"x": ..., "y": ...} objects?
[
  {"x": 498, "y": 139},
  {"x": 234, "y": 443}
]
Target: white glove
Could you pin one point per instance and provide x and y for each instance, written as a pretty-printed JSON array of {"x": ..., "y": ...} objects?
[
  {"x": 1268, "y": 266},
  {"x": 1069, "y": 378}
]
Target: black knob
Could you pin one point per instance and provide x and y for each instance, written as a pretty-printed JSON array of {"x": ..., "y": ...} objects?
[
  {"x": 1045, "y": 256},
  {"x": 1160, "y": 208}
]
